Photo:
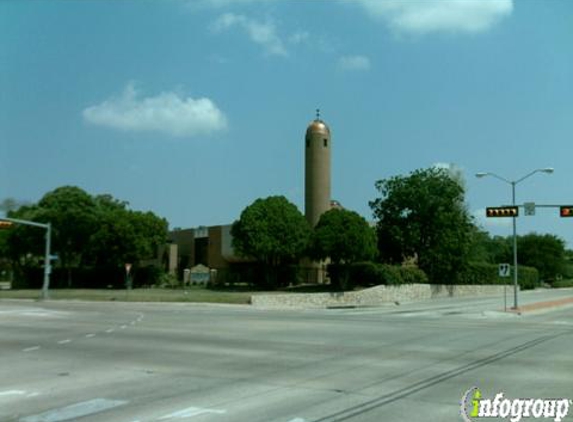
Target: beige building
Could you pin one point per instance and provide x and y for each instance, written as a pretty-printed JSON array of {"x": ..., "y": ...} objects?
[{"x": 212, "y": 246}]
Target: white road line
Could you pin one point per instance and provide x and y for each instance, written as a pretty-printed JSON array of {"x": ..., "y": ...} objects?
[
  {"x": 109, "y": 330},
  {"x": 31, "y": 349},
  {"x": 123, "y": 327},
  {"x": 132, "y": 323},
  {"x": 74, "y": 411},
  {"x": 190, "y": 412},
  {"x": 297, "y": 420},
  {"x": 90, "y": 335},
  {"x": 32, "y": 395},
  {"x": 12, "y": 393},
  {"x": 66, "y": 341}
]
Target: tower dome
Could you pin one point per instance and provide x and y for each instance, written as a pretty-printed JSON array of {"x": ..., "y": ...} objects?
[
  {"x": 317, "y": 125},
  {"x": 317, "y": 170}
]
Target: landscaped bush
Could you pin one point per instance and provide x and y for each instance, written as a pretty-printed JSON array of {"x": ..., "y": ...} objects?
[
  {"x": 372, "y": 274},
  {"x": 482, "y": 273},
  {"x": 413, "y": 275}
]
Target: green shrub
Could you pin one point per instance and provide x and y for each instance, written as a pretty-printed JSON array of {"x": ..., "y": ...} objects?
[
  {"x": 413, "y": 275},
  {"x": 483, "y": 273},
  {"x": 372, "y": 274},
  {"x": 390, "y": 275}
]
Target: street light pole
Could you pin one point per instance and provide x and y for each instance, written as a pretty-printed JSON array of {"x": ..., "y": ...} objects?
[
  {"x": 515, "y": 269},
  {"x": 547, "y": 170}
]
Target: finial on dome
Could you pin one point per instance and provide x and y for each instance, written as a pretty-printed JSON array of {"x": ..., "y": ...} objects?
[{"x": 317, "y": 114}]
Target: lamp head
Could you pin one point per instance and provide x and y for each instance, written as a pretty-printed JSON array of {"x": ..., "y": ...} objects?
[
  {"x": 482, "y": 174},
  {"x": 547, "y": 170}
]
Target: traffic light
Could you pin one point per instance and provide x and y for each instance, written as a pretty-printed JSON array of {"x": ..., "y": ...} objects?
[
  {"x": 5, "y": 224},
  {"x": 566, "y": 211},
  {"x": 502, "y": 211}
]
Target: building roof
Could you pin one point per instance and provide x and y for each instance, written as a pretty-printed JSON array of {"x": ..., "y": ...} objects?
[{"x": 319, "y": 126}]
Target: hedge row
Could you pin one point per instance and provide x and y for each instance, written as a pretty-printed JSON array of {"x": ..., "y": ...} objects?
[
  {"x": 372, "y": 274},
  {"x": 481, "y": 273}
]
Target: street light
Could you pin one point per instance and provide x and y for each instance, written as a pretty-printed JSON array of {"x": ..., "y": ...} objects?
[{"x": 547, "y": 170}]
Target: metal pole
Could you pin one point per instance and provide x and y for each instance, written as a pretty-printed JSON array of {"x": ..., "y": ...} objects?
[
  {"x": 514, "y": 249},
  {"x": 47, "y": 262}
]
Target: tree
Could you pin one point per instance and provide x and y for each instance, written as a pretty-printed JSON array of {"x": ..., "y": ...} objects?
[
  {"x": 545, "y": 252},
  {"x": 123, "y": 235},
  {"x": 344, "y": 237},
  {"x": 71, "y": 211},
  {"x": 88, "y": 233},
  {"x": 423, "y": 216},
  {"x": 273, "y": 232}
]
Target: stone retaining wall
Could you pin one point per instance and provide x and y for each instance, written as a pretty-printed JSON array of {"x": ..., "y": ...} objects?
[{"x": 374, "y": 296}]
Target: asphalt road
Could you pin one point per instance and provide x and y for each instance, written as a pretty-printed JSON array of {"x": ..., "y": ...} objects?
[{"x": 118, "y": 362}]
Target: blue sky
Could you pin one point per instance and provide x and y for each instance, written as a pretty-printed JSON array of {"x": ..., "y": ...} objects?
[{"x": 193, "y": 109}]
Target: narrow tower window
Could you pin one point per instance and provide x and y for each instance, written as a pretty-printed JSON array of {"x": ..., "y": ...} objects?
[
  {"x": 325, "y": 142},
  {"x": 307, "y": 142}
]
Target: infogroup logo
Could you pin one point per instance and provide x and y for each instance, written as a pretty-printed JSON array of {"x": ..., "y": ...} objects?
[{"x": 474, "y": 407}]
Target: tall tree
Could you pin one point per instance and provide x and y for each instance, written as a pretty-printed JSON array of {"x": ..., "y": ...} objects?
[
  {"x": 344, "y": 237},
  {"x": 423, "y": 215},
  {"x": 274, "y": 232},
  {"x": 71, "y": 211},
  {"x": 546, "y": 252}
]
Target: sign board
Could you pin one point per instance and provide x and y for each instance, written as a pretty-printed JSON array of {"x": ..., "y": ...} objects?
[
  {"x": 127, "y": 268},
  {"x": 504, "y": 270},
  {"x": 529, "y": 208}
]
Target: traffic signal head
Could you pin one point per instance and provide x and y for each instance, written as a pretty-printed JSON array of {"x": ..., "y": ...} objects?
[
  {"x": 5, "y": 224},
  {"x": 502, "y": 211},
  {"x": 566, "y": 211}
]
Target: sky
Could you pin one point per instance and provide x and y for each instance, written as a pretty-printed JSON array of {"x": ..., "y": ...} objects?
[{"x": 193, "y": 109}]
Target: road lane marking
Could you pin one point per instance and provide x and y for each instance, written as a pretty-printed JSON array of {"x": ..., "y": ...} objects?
[
  {"x": 109, "y": 330},
  {"x": 123, "y": 327},
  {"x": 190, "y": 412},
  {"x": 75, "y": 411},
  {"x": 12, "y": 393},
  {"x": 30, "y": 349},
  {"x": 90, "y": 335},
  {"x": 66, "y": 341}
]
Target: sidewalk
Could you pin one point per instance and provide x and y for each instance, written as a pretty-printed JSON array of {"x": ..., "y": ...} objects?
[{"x": 542, "y": 305}]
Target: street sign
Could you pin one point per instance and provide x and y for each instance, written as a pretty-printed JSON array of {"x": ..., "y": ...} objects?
[
  {"x": 504, "y": 270},
  {"x": 529, "y": 208}
]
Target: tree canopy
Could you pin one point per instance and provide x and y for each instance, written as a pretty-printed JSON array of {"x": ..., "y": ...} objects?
[
  {"x": 344, "y": 237},
  {"x": 87, "y": 232},
  {"x": 272, "y": 231},
  {"x": 423, "y": 216}
]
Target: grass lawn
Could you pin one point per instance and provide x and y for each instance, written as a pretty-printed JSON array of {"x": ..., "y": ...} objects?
[{"x": 192, "y": 294}]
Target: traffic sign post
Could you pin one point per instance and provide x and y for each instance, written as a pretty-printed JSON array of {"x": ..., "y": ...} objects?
[
  {"x": 529, "y": 208},
  {"x": 128, "y": 275},
  {"x": 504, "y": 271}
]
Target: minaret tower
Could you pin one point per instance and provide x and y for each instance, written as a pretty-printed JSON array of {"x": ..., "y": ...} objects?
[{"x": 317, "y": 170}]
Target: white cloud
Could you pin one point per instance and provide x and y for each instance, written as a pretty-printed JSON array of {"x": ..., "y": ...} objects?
[
  {"x": 354, "y": 63},
  {"x": 167, "y": 112},
  {"x": 299, "y": 37},
  {"x": 261, "y": 33},
  {"x": 425, "y": 16}
]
